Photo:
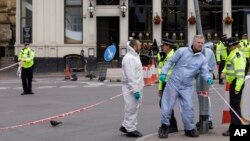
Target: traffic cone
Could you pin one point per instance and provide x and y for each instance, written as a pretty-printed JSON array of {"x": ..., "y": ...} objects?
[
  {"x": 146, "y": 76},
  {"x": 153, "y": 70},
  {"x": 67, "y": 72},
  {"x": 226, "y": 118}
]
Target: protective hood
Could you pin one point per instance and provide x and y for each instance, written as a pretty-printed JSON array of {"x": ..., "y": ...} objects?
[
  {"x": 131, "y": 50},
  {"x": 190, "y": 48}
]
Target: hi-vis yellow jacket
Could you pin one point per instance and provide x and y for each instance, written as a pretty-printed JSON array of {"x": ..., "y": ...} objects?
[
  {"x": 221, "y": 51},
  {"x": 245, "y": 47},
  {"x": 235, "y": 68},
  {"x": 161, "y": 64},
  {"x": 26, "y": 55}
]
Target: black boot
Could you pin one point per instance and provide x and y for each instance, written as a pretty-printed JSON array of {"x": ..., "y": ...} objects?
[
  {"x": 192, "y": 133},
  {"x": 210, "y": 125},
  {"x": 163, "y": 131},
  {"x": 24, "y": 93},
  {"x": 123, "y": 129},
  {"x": 134, "y": 134}
]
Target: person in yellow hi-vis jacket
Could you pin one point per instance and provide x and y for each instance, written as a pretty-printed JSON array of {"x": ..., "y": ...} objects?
[
  {"x": 221, "y": 55},
  {"x": 234, "y": 71},
  {"x": 167, "y": 52},
  {"x": 26, "y": 56},
  {"x": 245, "y": 48}
]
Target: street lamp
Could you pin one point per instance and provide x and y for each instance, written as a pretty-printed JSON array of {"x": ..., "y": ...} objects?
[
  {"x": 123, "y": 9},
  {"x": 91, "y": 9}
]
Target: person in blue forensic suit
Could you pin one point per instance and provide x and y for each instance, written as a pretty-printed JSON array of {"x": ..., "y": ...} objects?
[
  {"x": 209, "y": 54},
  {"x": 187, "y": 61}
]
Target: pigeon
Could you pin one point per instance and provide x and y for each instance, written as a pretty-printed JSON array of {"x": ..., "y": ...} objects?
[{"x": 55, "y": 123}]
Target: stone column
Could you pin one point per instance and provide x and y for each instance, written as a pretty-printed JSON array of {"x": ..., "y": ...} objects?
[
  {"x": 124, "y": 30},
  {"x": 191, "y": 28},
  {"x": 227, "y": 29},
  {"x": 157, "y": 29}
]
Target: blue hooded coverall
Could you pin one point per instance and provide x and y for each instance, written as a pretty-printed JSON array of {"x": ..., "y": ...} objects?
[
  {"x": 209, "y": 54},
  {"x": 186, "y": 66}
]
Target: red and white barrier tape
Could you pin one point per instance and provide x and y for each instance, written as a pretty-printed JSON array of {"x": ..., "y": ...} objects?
[
  {"x": 64, "y": 114},
  {"x": 9, "y": 66},
  {"x": 225, "y": 101}
]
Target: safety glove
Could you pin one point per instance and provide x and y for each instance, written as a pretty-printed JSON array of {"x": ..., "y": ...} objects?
[
  {"x": 163, "y": 77},
  {"x": 210, "y": 81},
  {"x": 137, "y": 95}
]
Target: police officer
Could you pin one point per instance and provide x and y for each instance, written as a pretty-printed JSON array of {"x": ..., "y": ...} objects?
[
  {"x": 162, "y": 57},
  {"x": 26, "y": 56},
  {"x": 245, "y": 48},
  {"x": 221, "y": 55},
  {"x": 234, "y": 72}
]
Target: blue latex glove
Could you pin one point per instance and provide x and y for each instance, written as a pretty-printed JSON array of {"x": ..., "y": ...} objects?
[
  {"x": 210, "y": 81},
  {"x": 137, "y": 95},
  {"x": 163, "y": 77}
]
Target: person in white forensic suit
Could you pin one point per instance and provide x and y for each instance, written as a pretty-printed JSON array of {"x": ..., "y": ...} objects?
[{"x": 132, "y": 88}]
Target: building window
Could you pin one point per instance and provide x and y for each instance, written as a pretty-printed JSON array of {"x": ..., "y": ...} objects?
[
  {"x": 211, "y": 18},
  {"x": 140, "y": 19},
  {"x": 107, "y": 2},
  {"x": 73, "y": 22},
  {"x": 239, "y": 26},
  {"x": 174, "y": 25},
  {"x": 26, "y": 21}
]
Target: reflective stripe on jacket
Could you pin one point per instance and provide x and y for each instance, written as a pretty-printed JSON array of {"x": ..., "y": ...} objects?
[
  {"x": 26, "y": 55},
  {"x": 235, "y": 68},
  {"x": 168, "y": 56},
  {"x": 245, "y": 47},
  {"x": 221, "y": 51}
]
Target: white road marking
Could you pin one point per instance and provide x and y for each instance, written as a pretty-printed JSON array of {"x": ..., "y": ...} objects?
[
  {"x": 69, "y": 86},
  {"x": 93, "y": 84},
  {"x": 17, "y": 88},
  {"x": 45, "y": 87},
  {"x": 4, "y": 88},
  {"x": 114, "y": 85}
]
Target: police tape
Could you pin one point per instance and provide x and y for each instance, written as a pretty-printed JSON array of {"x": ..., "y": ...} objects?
[
  {"x": 66, "y": 114},
  {"x": 242, "y": 121},
  {"x": 9, "y": 66}
]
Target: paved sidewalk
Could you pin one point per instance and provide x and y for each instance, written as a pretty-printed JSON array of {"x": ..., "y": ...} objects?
[{"x": 212, "y": 135}]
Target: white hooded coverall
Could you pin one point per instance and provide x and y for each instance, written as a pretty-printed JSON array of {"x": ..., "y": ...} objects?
[{"x": 132, "y": 82}]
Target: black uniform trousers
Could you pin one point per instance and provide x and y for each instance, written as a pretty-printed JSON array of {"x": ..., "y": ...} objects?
[
  {"x": 173, "y": 122},
  {"x": 235, "y": 103},
  {"x": 221, "y": 67},
  {"x": 27, "y": 76}
]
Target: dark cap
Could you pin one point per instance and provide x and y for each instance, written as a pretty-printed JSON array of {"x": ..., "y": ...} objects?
[
  {"x": 232, "y": 42},
  {"x": 167, "y": 42},
  {"x": 26, "y": 43},
  {"x": 224, "y": 36},
  {"x": 244, "y": 34}
]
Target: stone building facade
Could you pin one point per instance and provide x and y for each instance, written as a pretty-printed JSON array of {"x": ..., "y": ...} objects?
[
  {"x": 57, "y": 28},
  {"x": 7, "y": 27}
]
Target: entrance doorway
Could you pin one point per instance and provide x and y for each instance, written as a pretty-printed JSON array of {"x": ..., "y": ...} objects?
[{"x": 108, "y": 33}]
